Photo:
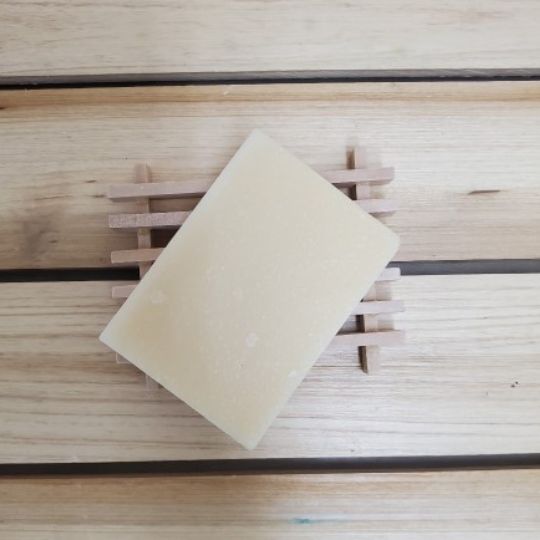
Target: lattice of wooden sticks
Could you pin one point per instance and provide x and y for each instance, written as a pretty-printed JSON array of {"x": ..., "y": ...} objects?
[{"x": 358, "y": 180}]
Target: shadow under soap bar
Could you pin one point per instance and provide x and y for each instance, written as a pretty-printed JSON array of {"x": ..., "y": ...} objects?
[{"x": 251, "y": 289}]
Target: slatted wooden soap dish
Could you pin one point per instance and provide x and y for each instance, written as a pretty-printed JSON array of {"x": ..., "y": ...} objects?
[{"x": 357, "y": 181}]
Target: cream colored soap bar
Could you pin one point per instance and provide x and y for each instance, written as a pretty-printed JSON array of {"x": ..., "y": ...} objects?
[{"x": 251, "y": 289}]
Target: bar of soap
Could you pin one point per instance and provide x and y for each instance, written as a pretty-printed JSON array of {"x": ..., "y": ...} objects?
[{"x": 251, "y": 289}]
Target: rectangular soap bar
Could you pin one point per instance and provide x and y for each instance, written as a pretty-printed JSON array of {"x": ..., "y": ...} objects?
[{"x": 251, "y": 289}]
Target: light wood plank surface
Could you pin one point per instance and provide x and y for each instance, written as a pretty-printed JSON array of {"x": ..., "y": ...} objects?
[
  {"x": 473, "y": 505},
  {"x": 467, "y": 381},
  {"x": 65, "y": 37},
  {"x": 467, "y": 165}
]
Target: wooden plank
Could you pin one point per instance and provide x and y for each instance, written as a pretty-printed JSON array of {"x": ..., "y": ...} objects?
[
  {"x": 212, "y": 36},
  {"x": 495, "y": 505},
  {"x": 466, "y": 381},
  {"x": 464, "y": 157}
]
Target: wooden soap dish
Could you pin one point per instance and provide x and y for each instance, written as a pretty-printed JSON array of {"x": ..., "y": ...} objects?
[{"x": 357, "y": 181}]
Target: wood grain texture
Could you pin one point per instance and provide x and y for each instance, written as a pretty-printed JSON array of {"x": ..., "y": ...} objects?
[
  {"x": 63, "y": 37},
  {"x": 465, "y": 156},
  {"x": 467, "y": 381},
  {"x": 474, "y": 505}
]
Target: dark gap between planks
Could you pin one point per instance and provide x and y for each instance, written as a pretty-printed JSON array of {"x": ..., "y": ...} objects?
[
  {"x": 408, "y": 268},
  {"x": 266, "y": 77},
  {"x": 69, "y": 274},
  {"x": 280, "y": 466}
]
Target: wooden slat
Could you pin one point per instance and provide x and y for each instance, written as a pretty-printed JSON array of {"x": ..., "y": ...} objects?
[
  {"x": 130, "y": 256},
  {"x": 356, "y": 339},
  {"x": 379, "y": 306},
  {"x": 144, "y": 241},
  {"x": 370, "y": 307},
  {"x": 369, "y": 354},
  {"x": 166, "y": 190},
  {"x": 123, "y": 291},
  {"x": 159, "y": 190},
  {"x": 144, "y": 236},
  {"x": 466, "y": 381},
  {"x": 499, "y": 505},
  {"x": 459, "y": 181},
  {"x": 156, "y": 220},
  {"x": 211, "y": 36},
  {"x": 350, "y": 177},
  {"x": 378, "y": 207},
  {"x": 389, "y": 274},
  {"x": 165, "y": 220}
]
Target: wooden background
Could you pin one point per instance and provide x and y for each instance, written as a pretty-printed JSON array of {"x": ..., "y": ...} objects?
[{"x": 446, "y": 93}]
